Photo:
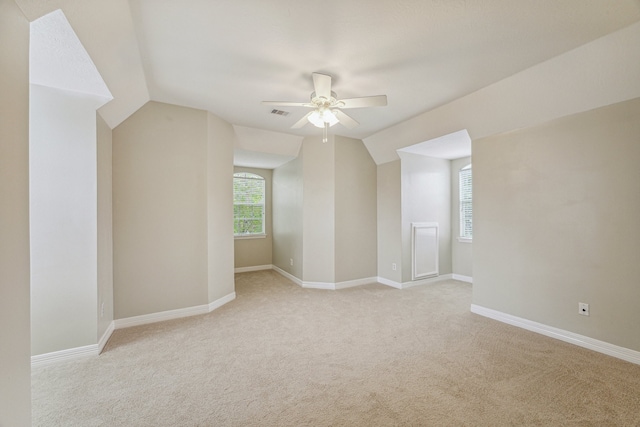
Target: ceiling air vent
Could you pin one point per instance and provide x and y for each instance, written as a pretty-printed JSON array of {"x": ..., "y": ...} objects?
[{"x": 279, "y": 112}]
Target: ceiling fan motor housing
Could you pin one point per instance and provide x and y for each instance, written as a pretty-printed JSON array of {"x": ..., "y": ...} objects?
[{"x": 321, "y": 101}]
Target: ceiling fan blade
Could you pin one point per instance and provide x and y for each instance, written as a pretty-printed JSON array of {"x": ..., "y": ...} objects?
[
  {"x": 303, "y": 121},
  {"x": 322, "y": 85},
  {"x": 288, "y": 104},
  {"x": 365, "y": 101},
  {"x": 346, "y": 120}
]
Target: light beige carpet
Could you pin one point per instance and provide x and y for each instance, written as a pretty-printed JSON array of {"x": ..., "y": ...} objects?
[{"x": 280, "y": 355}]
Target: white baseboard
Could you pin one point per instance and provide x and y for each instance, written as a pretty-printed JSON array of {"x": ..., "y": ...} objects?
[
  {"x": 405, "y": 285},
  {"x": 173, "y": 314},
  {"x": 90, "y": 350},
  {"x": 319, "y": 285},
  {"x": 428, "y": 281},
  {"x": 64, "y": 355},
  {"x": 388, "y": 282},
  {"x": 221, "y": 301},
  {"x": 253, "y": 268},
  {"x": 288, "y": 275},
  {"x": 560, "y": 334},
  {"x": 340, "y": 285},
  {"x": 359, "y": 282},
  {"x": 146, "y": 319},
  {"x": 324, "y": 285},
  {"x": 96, "y": 349},
  {"x": 105, "y": 337},
  {"x": 356, "y": 282},
  {"x": 462, "y": 278}
]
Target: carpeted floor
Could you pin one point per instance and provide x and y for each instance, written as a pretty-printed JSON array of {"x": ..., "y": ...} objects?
[{"x": 280, "y": 355}]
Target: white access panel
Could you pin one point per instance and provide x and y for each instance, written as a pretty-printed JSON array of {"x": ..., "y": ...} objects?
[{"x": 424, "y": 249}]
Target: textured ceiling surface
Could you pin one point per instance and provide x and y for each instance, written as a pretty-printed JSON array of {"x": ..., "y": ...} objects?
[
  {"x": 226, "y": 56},
  {"x": 58, "y": 59}
]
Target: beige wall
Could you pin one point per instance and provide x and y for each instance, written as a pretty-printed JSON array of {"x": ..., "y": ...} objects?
[
  {"x": 257, "y": 251},
  {"x": 160, "y": 210},
  {"x": 105, "y": 227},
  {"x": 426, "y": 197},
  {"x": 389, "y": 228},
  {"x": 287, "y": 216},
  {"x": 318, "y": 210},
  {"x": 15, "y": 376},
  {"x": 219, "y": 208},
  {"x": 324, "y": 212},
  {"x": 556, "y": 208},
  {"x": 355, "y": 211},
  {"x": 461, "y": 252}
]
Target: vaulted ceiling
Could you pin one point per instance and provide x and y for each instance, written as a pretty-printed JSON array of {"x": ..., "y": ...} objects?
[{"x": 227, "y": 56}]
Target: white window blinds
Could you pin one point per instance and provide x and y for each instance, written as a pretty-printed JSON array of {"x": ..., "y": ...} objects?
[{"x": 466, "y": 203}]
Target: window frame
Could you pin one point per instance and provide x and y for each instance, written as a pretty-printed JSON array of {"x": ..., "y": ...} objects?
[
  {"x": 465, "y": 204},
  {"x": 263, "y": 204}
]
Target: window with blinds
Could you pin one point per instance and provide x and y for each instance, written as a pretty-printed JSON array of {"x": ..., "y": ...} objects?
[
  {"x": 248, "y": 204},
  {"x": 466, "y": 203}
]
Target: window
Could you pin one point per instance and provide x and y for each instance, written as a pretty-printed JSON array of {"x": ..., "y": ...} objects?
[
  {"x": 248, "y": 204},
  {"x": 466, "y": 203}
]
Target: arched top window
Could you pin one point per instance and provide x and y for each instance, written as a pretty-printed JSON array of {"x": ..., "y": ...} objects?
[
  {"x": 248, "y": 204},
  {"x": 466, "y": 202}
]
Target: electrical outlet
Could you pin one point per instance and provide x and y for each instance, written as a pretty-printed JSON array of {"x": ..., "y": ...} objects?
[
  {"x": 583, "y": 308},
  {"x": 394, "y": 267},
  {"x": 291, "y": 261}
]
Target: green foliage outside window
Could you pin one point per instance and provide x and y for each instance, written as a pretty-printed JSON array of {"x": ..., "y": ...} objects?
[{"x": 248, "y": 204}]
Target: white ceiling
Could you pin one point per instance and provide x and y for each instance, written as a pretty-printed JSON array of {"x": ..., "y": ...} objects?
[
  {"x": 451, "y": 146},
  {"x": 226, "y": 56},
  {"x": 257, "y": 148}
]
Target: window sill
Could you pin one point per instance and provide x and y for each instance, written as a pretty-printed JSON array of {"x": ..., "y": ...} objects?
[
  {"x": 464, "y": 240},
  {"x": 249, "y": 236}
]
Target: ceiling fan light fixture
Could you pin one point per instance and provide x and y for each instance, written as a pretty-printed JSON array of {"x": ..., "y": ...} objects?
[
  {"x": 327, "y": 108},
  {"x": 319, "y": 117}
]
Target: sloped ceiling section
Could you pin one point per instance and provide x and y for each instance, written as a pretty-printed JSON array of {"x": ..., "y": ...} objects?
[
  {"x": 226, "y": 57},
  {"x": 105, "y": 29},
  {"x": 58, "y": 59},
  {"x": 264, "y": 149},
  {"x": 602, "y": 72},
  {"x": 452, "y": 146}
]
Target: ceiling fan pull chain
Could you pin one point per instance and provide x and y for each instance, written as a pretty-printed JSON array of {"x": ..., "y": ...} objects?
[{"x": 324, "y": 133}]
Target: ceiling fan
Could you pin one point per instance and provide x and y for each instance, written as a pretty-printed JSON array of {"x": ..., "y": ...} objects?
[{"x": 327, "y": 108}]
